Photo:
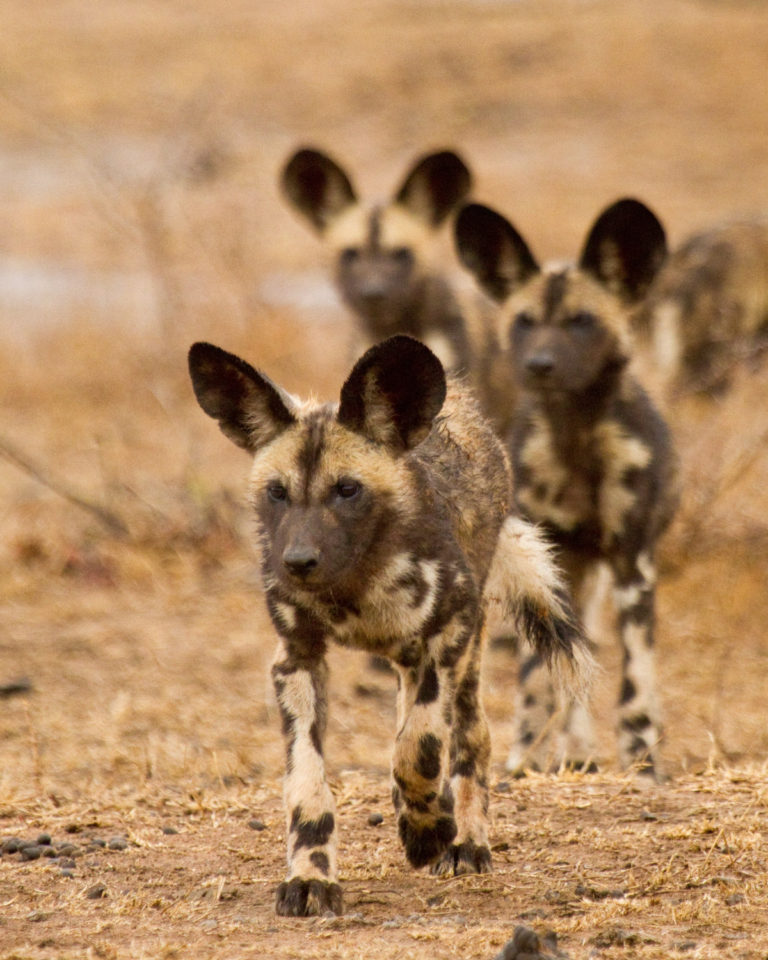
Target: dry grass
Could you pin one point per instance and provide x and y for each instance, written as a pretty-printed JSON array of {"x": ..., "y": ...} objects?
[{"x": 138, "y": 206}]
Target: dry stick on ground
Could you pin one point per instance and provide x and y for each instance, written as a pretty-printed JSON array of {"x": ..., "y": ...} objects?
[{"x": 111, "y": 521}]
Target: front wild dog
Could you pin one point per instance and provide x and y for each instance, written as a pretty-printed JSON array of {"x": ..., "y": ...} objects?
[
  {"x": 383, "y": 254},
  {"x": 383, "y": 524},
  {"x": 592, "y": 457}
]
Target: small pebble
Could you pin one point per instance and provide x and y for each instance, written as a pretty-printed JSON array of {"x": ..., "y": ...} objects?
[
  {"x": 68, "y": 850},
  {"x": 12, "y": 845},
  {"x": 96, "y": 892},
  {"x": 734, "y": 899},
  {"x": 66, "y": 872},
  {"x": 67, "y": 864},
  {"x": 170, "y": 831},
  {"x": 257, "y": 825},
  {"x": 648, "y": 816},
  {"x": 44, "y": 840},
  {"x": 118, "y": 843},
  {"x": 375, "y": 819},
  {"x": 31, "y": 852},
  {"x": 36, "y": 916},
  {"x": 97, "y": 842}
]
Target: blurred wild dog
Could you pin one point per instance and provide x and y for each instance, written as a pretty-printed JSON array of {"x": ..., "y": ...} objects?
[
  {"x": 384, "y": 525},
  {"x": 390, "y": 267},
  {"x": 384, "y": 254},
  {"x": 706, "y": 313},
  {"x": 592, "y": 457}
]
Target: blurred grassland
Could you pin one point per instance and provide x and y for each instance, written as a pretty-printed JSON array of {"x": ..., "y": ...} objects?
[{"x": 139, "y": 152}]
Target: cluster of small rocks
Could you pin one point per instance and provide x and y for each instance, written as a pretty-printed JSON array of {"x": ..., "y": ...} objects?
[{"x": 62, "y": 853}]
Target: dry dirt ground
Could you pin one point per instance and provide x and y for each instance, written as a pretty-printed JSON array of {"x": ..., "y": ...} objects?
[{"x": 139, "y": 150}]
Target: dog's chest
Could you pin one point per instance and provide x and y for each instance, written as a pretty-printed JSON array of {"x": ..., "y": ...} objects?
[{"x": 579, "y": 481}]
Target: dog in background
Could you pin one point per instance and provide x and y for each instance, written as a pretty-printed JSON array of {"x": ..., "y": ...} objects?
[
  {"x": 389, "y": 262},
  {"x": 592, "y": 457},
  {"x": 706, "y": 314}
]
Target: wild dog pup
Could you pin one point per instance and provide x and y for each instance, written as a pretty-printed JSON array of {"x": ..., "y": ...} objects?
[
  {"x": 383, "y": 254},
  {"x": 707, "y": 310},
  {"x": 383, "y": 524},
  {"x": 592, "y": 458}
]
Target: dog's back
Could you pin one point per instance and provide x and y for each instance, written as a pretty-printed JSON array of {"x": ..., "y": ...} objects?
[{"x": 707, "y": 311}]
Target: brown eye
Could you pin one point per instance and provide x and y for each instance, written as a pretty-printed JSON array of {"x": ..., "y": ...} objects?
[
  {"x": 347, "y": 489},
  {"x": 277, "y": 492},
  {"x": 403, "y": 255},
  {"x": 581, "y": 320}
]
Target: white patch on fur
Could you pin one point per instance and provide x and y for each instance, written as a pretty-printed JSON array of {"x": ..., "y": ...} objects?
[
  {"x": 626, "y": 597},
  {"x": 538, "y": 454},
  {"x": 523, "y": 569},
  {"x": 387, "y": 609},
  {"x": 667, "y": 340},
  {"x": 619, "y": 453},
  {"x": 442, "y": 348},
  {"x": 286, "y": 614},
  {"x": 641, "y": 671}
]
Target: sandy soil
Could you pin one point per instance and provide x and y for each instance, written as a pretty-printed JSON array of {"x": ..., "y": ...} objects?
[{"x": 139, "y": 150}]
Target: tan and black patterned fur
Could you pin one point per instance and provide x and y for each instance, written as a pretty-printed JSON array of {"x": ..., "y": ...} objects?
[
  {"x": 706, "y": 314},
  {"x": 390, "y": 265},
  {"x": 384, "y": 525},
  {"x": 592, "y": 457}
]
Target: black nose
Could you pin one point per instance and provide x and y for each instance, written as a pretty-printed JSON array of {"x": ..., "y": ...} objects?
[
  {"x": 301, "y": 561},
  {"x": 540, "y": 363}
]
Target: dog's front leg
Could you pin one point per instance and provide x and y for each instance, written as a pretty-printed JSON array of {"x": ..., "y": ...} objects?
[
  {"x": 421, "y": 797},
  {"x": 311, "y": 887}
]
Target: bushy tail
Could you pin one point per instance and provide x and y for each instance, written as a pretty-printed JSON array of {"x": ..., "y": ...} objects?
[{"x": 528, "y": 591}]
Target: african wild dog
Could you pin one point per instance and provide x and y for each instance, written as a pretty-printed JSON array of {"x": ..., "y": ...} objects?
[
  {"x": 592, "y": 458},
  {"x": 389, "y": 265},
  {"x": 383, "y": 524},
  {"x": 384, "y": 263},
  {"x": 707, "y": 310}
]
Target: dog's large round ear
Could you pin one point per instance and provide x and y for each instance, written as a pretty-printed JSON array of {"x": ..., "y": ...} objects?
[
  {"x": 493, "y": 251},
  {"x": 625, "y": 249},
  {"x": 434, "y": 186},
  {"x": 316, "y": 186},
  {"x": 394, "y": 393},
  {"x": 249, "y": 408}
]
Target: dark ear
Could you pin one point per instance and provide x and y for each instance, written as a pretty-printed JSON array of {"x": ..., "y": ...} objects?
[
  {"x": 435, "y": 186},
  {"x": 250, "y": 409},
  {"x": 493, "y": 251},
  {"x": 625, "y": 248},
  {"x": 317, "y": 187},
  {"x": 394, "y": 393}
]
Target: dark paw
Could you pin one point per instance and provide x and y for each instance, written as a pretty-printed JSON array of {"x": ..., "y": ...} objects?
[
  {"x": 308, "y": 898},
  {"x": 424, "y": 845},
  {"x": 462, "y": 859}
]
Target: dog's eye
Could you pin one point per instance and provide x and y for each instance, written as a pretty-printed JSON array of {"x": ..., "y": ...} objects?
[
  {"x": 525, "y": 320},
  {"x": 277, "y": 492},
  {"x": 581, "y": 320},
  {"x": 402, "y": 254},
  {"x": 347, "y": 489},
  {"x": 349, "y": 254}
]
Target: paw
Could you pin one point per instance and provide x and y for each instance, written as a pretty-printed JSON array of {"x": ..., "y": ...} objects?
[
  {"x": 308, "y": 898},
  {"x": 464, "y": 858},
  {"x": 425, "y": 844}
]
